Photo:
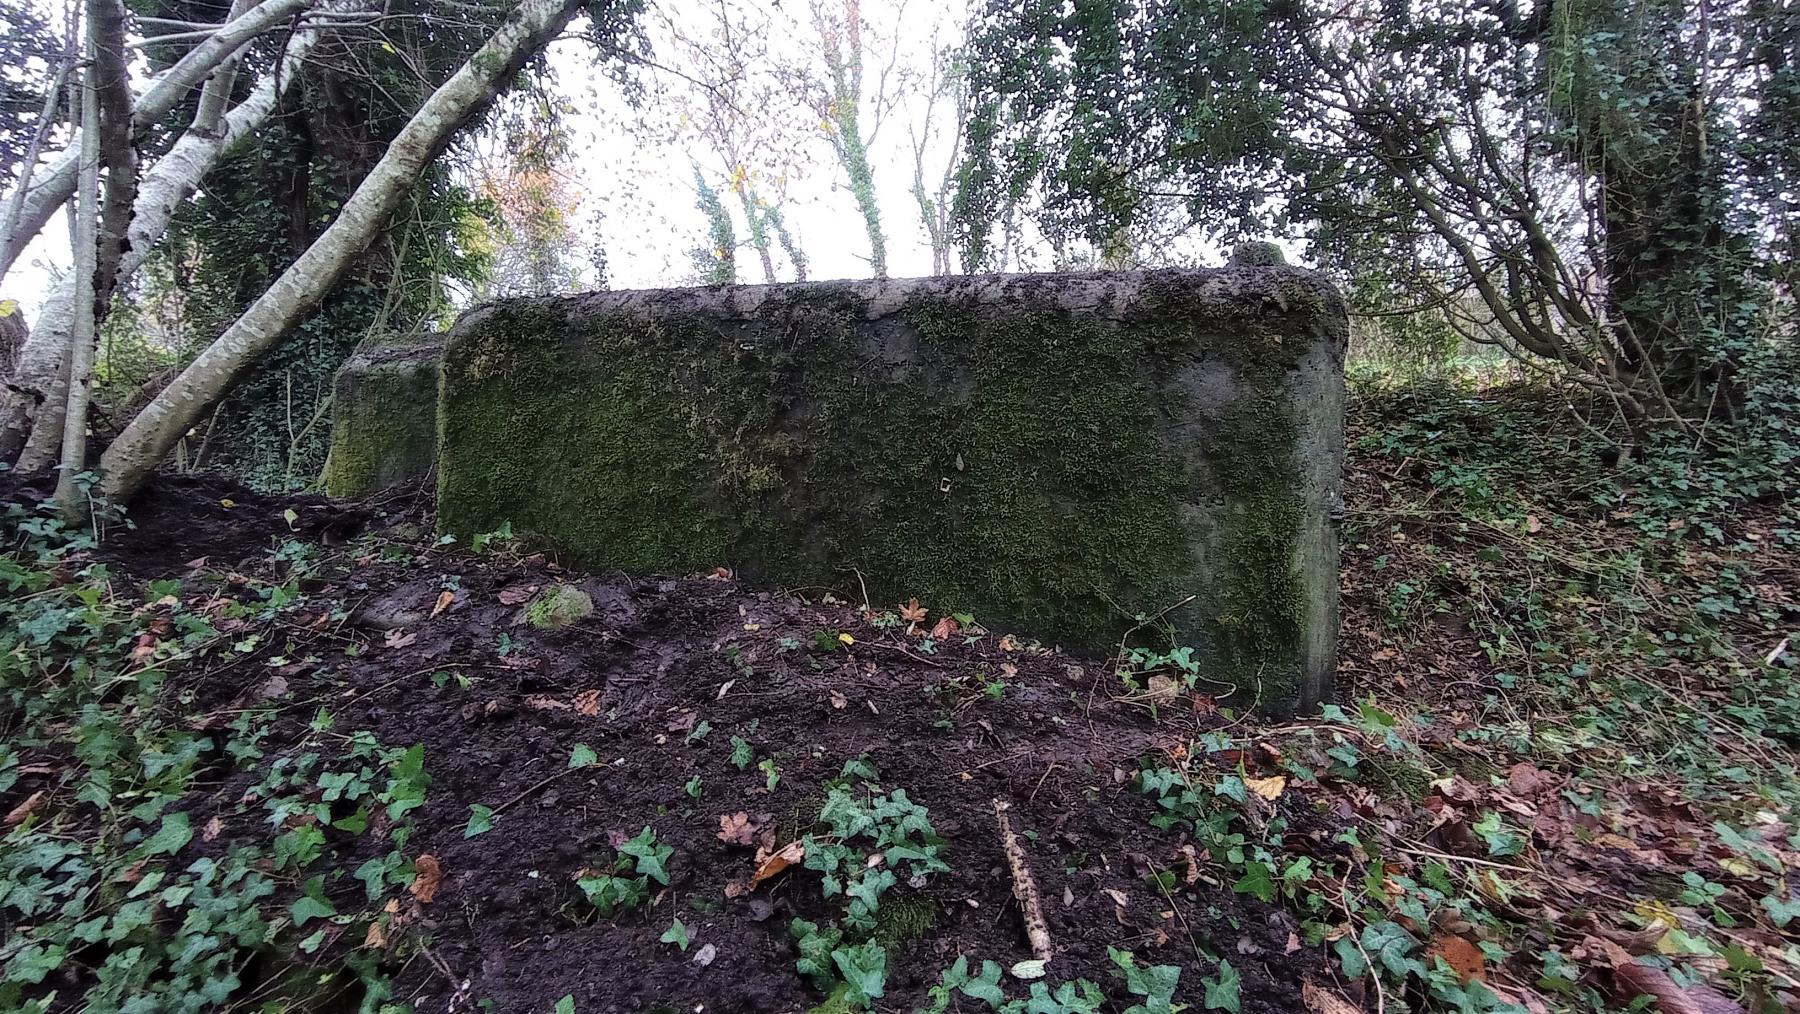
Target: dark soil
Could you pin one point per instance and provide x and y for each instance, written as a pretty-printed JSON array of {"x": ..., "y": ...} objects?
[{"x": 657, "y": 658}]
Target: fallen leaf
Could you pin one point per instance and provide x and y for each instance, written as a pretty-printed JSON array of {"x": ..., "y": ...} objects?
[
  {"x": 839, "y": 701},
  {"x": 737, "y": 829},
  {"x": 396, "y": 639},
  {"x": 1325, "y": 1001},
  {"x": 1532, "y": 524},
  {"x": 1525, "y": 779},
  {"x": 1269, "y": 788},
  {"x": 376, "y": 939},
  {"x": 1462, "y": 956},
  {"x": 1008, "y": 670},
  {"x": 17, "y": 814},
  {"x": 1008, "y": 644},
  {"x": 1293, "y": 943},
  {"x": 587, "y": 702},
  {"x": 846, "y": 640},
  {"x": 426, "y": 879},
  {"x": 768, "y": 866},
  {"x": 945, "y": 629},
  {"x": 1634, "y": 978},
  {"x": 513, "y": 594},
  {"x": 444, "y": 599},
  {"x": 212, "y": 830},
  {"x": 683, "y": 722},
  {"x": 912, "y": 612}
]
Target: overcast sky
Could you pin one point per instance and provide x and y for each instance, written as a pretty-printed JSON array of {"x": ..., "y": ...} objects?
[{"x": 634, "y": 171}]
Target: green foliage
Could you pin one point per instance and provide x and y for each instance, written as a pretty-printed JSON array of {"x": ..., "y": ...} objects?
[
  {"x": 115, "y": 868},
  {"x": 717, "y": 260},
  {"x": 612, "y": 889}
]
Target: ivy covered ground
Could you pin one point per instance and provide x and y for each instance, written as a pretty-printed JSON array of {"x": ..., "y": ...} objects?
[{"x": 281, "y": 754}]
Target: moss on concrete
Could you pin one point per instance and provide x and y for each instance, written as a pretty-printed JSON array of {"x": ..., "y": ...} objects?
[
  {"x": 384, "y": 419},
  {"x": 1031, "y": 463}
]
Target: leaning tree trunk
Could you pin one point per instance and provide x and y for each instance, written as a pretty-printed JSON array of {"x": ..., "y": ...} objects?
[
  {"x": 38, "y": 387},
  {"x": 147, "y": 440}
]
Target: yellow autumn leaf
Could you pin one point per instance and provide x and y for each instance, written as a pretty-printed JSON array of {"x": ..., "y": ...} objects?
[
  {"x": 228, "y": 503},
  {"x": 846, "y": 639},
  {"x": 1269, "y": 788}
]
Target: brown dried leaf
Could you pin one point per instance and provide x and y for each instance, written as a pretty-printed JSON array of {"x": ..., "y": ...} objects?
[
  {"x": 17, "y": 814},
  {"x": 428, "y": 875},
  {"x": 1636, "y": 979},
  {"x": 1325, "y": 1001},
  {"x": 784, "y": 857},
  {"x": 212, "y": 830},
  {"x": 945, "y": 629},
  {"x": 683, "y": 722},
  {"x": 737, "y": 829},
  {"x": 513, "y": 594},
  {"x": 588, "y": 703},
  {"x": 912, "y": 612},
  {"x": 376, "y": 939},
  {"x": 396, "y": 639},
  {"x": 444, "y": 599}
]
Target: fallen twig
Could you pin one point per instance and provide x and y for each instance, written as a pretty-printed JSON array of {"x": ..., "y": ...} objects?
[{"x": 1037, "y": 930}]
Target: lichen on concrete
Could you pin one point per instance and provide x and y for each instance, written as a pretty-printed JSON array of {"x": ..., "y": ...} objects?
[{"x": 1056, "y": 454}]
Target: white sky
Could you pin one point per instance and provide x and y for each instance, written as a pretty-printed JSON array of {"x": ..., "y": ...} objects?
[{"x": 631, "y": 167}]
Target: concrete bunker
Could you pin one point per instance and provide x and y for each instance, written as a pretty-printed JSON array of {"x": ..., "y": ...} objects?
[{"x": 1060, "y": 455}]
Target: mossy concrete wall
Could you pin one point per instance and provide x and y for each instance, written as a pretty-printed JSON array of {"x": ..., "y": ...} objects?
[
  {"x": 384, "y": 418},
  {"x": 1056, "y": 454}
]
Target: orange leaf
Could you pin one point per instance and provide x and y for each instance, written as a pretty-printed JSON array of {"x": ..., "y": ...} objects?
[
  {"x": 1635, "y": 979},
  {"x": 912, "y": 612},
  {"x": 18, "y": 813},
  {"x": 779, "y": 860},
  {"x": 946, "y": 628},
  {"x": 1462, "y": 956},
  {"x": 426, "y": 879},
  {"x": 444, "y": 599}
]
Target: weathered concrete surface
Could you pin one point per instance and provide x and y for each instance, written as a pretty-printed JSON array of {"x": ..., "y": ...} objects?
[
  {"x": 1054, "y": 453},
  {"x": 384, "y": 418}
]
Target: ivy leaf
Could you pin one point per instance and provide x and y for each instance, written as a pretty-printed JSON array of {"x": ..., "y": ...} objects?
[
  {"x": 1389, "y": 945},
  {"x": 171, "y": 837},
  {"x": 652, "y": 859},
  {"x": 566, "y": 1005},
  {"x": 676, "y": 934},
  {"x": 313, "y": 904},
  {"x": 481, "y": 820},
  {"x": 865, "y": 970},
  {"x": 1222, "y": 991},
  {"x": 583, "y": 756},
  {"x": 741, "y": 754},
  {"x": 986, "y": 986}
]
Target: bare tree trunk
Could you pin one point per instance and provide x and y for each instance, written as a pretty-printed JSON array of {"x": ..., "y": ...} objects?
[
  {"x": 37, "y": 387},
  {"x": 144, "y": 443},
  {"x": 38, "y": 203},
  {"x": 87, "y": 227}
]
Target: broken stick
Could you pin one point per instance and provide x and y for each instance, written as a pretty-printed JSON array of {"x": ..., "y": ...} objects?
[{"x": 1024, "y": 888}]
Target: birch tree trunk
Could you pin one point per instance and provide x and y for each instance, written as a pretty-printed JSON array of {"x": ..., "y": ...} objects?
[
  {"x": 87, "y": 227},
  {"x": 39, "y": 201},
  {"x": 38, "y": 387},
  {"x": 146, "y": 441}
]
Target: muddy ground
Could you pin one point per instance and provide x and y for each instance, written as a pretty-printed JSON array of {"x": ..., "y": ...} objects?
[{"x": 424, "y": 643}]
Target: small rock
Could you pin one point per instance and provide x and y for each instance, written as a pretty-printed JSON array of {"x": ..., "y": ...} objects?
[
  {"x": 558, "y": 606},
  {"x": 706, "y": 955}
]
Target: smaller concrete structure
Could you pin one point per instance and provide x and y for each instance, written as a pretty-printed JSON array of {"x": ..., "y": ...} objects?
[{"x": 384, "y": 418}]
